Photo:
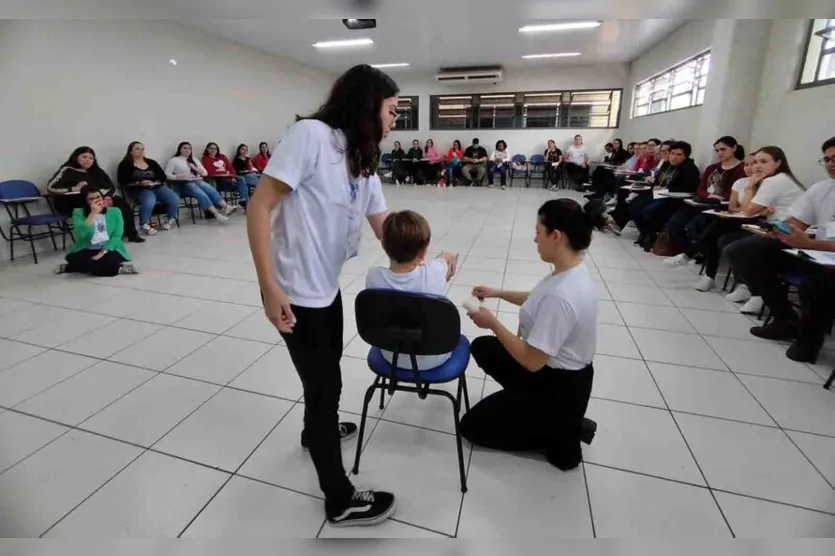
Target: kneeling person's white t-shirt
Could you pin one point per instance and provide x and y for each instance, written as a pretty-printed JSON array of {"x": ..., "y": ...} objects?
[
  {"x": 559, "y": 318},
  {"x": 429, "y": 278}
]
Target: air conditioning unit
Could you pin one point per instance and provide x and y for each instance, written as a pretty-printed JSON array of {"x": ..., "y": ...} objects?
[{"x": 469, "y": 76}]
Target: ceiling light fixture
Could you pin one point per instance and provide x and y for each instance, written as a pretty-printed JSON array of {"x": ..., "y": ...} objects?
[
  {"x": 354, "y": 24},
  {"x": 555, "y": 55},
  {"x": 565, "y": 26},
  {"x": 343, "y": 44},
  {"x": 397, "y": 65}
]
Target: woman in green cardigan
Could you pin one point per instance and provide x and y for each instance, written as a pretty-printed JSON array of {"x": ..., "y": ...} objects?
[{"x": 98, "y": 248}]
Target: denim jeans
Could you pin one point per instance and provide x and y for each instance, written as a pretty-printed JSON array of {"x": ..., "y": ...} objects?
[
  {"x": 148, "y": 199},
  {"x": 206, "y": 195},
  {"x": 238, "y": 183},
  {"x": 252, "y": 179}
]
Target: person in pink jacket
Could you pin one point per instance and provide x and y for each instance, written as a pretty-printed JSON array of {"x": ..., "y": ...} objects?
[{"x": 434, "y": 162}]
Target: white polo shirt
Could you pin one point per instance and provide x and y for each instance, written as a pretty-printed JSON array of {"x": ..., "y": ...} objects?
[
  {"x": 778, "y": 192},
  {"x": 319, "y": 225},
  {"x": 816, "y": 207}
]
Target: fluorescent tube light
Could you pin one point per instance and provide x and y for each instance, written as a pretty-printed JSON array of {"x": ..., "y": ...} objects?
[
  {"x": 397, "y": 65},
  {"x": 343, "y": 43},
  {"x": 555, "y": 55},
  {"x": 564, "y": 26}
]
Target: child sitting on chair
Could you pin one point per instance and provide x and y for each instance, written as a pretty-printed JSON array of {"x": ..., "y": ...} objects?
[{"x": 406, "y": 237}]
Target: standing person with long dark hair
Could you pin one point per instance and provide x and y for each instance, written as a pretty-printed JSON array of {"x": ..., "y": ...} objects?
[{"x": 323, "y": 180}]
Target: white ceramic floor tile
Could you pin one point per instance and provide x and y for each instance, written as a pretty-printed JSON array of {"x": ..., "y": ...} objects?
[
  {"x": 255, "y": 327},
  {"x": 724, "y": 325},
  {"x": 623, "y": 276},
  {"x": 156, "y": 496},
  {"x": 111, "y": 339},
  {"x": 168, "y": 309},
  {"x": 641, "y": 315},
  {"x": 162, "y": 349},
  {"x": 21, "y": 436},
  {"x": 616, "y": 341},
  {"x": 223, "y": 432},
  {"x": 9, "y": 306},
  {"x": 488, "y": 265},
  {"x": 249, "y": 509},
  {"x": 625, "y": 380},
  {"x": 273, "y": 374},
  {"x": 755, "y": 460},
  {"x": 435, "y": 412},
  {"x": 607, "y": 313},
  {"x": 478, "y": 278},
  {"x": 220, "y": 360},
  {"x": 795, "y": 405},
  {"x": 216, "y": 318},
  {"x": 37, "y": 374},
  {"x": 56, "y": 332},
  {"x": 820, "y": 450},
  {"x": 677, "y": 348},
  {"x": 516, "y": 496},
  {"x": 706, "y": 392},
  {"x": 706, "y": 301},
  {"x": 629, "y": 505},
  {"x": 760, "y": 358},
  {"x": 36, "y": 315},
  {"x": 150, "y": 411},
  {"x": 640, "y": 439},
  {"x": 751, "y": 518},
  {"x": 390, "y": 529},
  {"x": 82, "y": 395},
  {"x": 15, "y": 352},
  {"x": 56, "y": 479}
]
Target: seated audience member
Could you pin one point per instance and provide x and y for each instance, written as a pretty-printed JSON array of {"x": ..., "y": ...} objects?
[
  {"x": 689, "y": 222},
  {"x": 609, "y": 148},
  {"x": 145, "y": 180},
  {"x": 406, "y": 237},
  {"x": 399, "y": 171},
  {"x": 245, "y": 168},
  {"x": 262, "y": 158},
  {"x": 577, "y": 162},
  {"x": 415, "y": 155},
  {"x": 545, "y": 368},
  {"x": 81, "y": 169},
  {"x": 499, "y": 162},
  {"x": 626, "y": 200},
  {"x": 603, "y": 179},
  {"x": 683, "y": 177},
  {"x": 433, "y": 164},
  {"x": 619, "y": 154},
  {"x": 98, "y": 247},
  {"x": 187, "y": 173},
  {"x": 475, "y": 158},
  {"x": 553, "y": 159},
  {"x": 220, "y": 169},
  {"x": 761, "y": 262},
  {"x": 454, "y": 160}
]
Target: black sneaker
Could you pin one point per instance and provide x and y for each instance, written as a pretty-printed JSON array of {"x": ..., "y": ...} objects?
[
  {"x": 778, "y": 330},
  {"x": 347, "y": 431},
  {"x": 365, "y": 508}
]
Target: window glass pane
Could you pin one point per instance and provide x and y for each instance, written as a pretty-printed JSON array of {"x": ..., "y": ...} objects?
[
  {"x": 407, "y": 111},
  {"x": 681, "y": 101},
  {"x": 818, "y": 65},
  {"x": 700, "y": 97},
  {"x": 674, "y": 89},
  {"x": 827, "y": 69}
]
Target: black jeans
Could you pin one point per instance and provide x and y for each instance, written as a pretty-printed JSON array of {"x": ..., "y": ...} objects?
[
  {"x": 576, "y": 173},
  {"x": 540, "y": 411},
  {"x": 83, "y": 263},
  {"x": 761, "y": 263},
  {"x": 494, "y": 168},
  {"x": 316, "y": 348},
  {"x": 685, "y": 226}
]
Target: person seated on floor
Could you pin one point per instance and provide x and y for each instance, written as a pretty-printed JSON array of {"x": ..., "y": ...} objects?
[
  {"x": 762, "y": 263},
  {"x": 475, "y": 158},
  {"x": 577, "y": 162},
  {"x": 499, "y": 162},
  {"x": 683, "y": 177},
  {"x": 406, "y": 238},
  {"x": 399, "y": 171},
  {"x": 415, "y": 155},
  {"x": 454, "y": 160},
  {"x": 187, "y": 173},
  {"x": 81, "y": 169},
  {"x": 545, "y": 368},
  {"x": 245, "y": 168},
  {"x": 98, "y": 247},
  {"x": 433, "y": 162},
  {"x": 553, "y": 160},
  {"x": 145, "y": 180},
  {"x": 221, "y": 170},
  {"x": 263, "y": 157}
]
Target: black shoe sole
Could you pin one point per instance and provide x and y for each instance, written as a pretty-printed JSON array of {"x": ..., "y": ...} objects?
[
  {"x": 367, "y": 522},
  {"x": 587, "y": 431}
]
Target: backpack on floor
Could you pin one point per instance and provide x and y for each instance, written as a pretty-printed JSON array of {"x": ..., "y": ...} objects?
[{"x": 664, "y": 247}]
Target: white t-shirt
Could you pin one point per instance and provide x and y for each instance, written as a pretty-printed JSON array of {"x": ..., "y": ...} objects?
[
  {"x": 816, "y": 207},
  {"x": 429, "y": 277},
  {"x": 319, "y": 225},
  {"x": 179, "y": 165},
  {"x": 577, "y": 155},
  {"x": 778, "y": 192},
  {"x": 500, "y": 156},
  {"x": 100, "y": 235},
  {"x": 560, "y": 318},
  {"x": 739, "y": 187}
]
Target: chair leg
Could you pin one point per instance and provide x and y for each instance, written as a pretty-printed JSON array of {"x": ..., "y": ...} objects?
[
  {"x": 727, "y": 279},
  {"x": 51, "y": 231},
  {"x": 368, "y": 395},
  {"x": 382, "y": 395},
  {"x": 830, "y": 380},
  {"x": 463, "y": 383},
  {"x": 455, "y": 409},
  {"x": 31, "y": 243}
]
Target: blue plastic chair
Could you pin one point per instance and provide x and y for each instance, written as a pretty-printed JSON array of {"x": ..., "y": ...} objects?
[
  {"x": 409, "y": 325},
  {"x": 519, "y": 173},
  {"x": 385, "y": 165},
  {"x": 18, "y": 194},
  {"x": 536, "y": 168}
]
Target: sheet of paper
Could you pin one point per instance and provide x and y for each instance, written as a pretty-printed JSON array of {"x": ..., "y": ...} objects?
[{"x": 826, "y": 258}]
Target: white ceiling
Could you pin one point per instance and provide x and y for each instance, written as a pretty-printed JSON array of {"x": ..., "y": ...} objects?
[{"x": 438, "y": 38}]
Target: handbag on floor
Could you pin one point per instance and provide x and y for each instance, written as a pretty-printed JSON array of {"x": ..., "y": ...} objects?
[{"x": 664, "y": 247}]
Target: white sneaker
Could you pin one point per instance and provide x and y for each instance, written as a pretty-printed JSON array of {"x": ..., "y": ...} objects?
[
  {"x": 230, "y": 209},
  {"x": 740, "y": 295},
  {"x": 705, "y": 284},
  {"x": 167, "y": 225},
  {"x": 612, "y": 226},
  {"x": 149, "y": 230},
  {"x": 677, "y": 261},
  {"x": 631, "y": 197},
  {"x": 753, "y": 306},
  {"x": 222, "y": 217}
]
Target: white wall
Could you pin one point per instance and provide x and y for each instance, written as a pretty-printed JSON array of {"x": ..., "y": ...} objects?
[
  {"x": 106, "y": 83},
  {"x": 692, "y": 38},
  {"x": 525, "y": 142},
  {"x": 799, "y": 121}
]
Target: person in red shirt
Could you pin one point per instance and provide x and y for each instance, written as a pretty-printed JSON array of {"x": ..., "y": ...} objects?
[
  {"x": 222, "y": 172},
  {"x": 454, "y": 161},
  {"x": 263, "y": 156}
]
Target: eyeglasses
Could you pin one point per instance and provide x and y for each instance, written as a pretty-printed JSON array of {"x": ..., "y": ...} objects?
[{"x": 826, "y": 160}]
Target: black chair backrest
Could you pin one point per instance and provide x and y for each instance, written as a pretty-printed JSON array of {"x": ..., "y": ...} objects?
[{"x": 407, "y": 323}]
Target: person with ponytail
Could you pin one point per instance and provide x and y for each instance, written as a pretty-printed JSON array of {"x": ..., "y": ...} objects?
[{"x": 545, "y": 368}]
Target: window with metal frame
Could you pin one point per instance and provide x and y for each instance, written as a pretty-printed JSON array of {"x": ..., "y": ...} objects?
[
  {"x": 407, "y": 114},
  {"x": 818, "y": 66},
  {"x": 682, "y": 86}
]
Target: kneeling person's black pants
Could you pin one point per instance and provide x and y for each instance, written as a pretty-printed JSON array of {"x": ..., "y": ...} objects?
[
  {"x": 82, "y": 262},
  {"x": 540, "y": 411}
]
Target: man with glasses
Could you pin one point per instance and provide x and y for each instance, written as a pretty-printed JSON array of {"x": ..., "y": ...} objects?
[{"x": 762, "y": 263}]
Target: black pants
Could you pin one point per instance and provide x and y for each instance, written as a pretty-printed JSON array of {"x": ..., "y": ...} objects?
[
  {"x": 82, "y": 262},
  {"x": 501, "y": 170},
  {"x": 603, "y": 182},
  {"x": 66, "y": 204},
  {"x": 399, "y": 171},
  {"x": 316, "y": 347},
  {"x": 655, "y": 215},
  {"x": 761, "y": 263},
  {"x": 540, "y": 411},
  {"x": 576, "y": 173},
  {"x": 713, "y": 241}
]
